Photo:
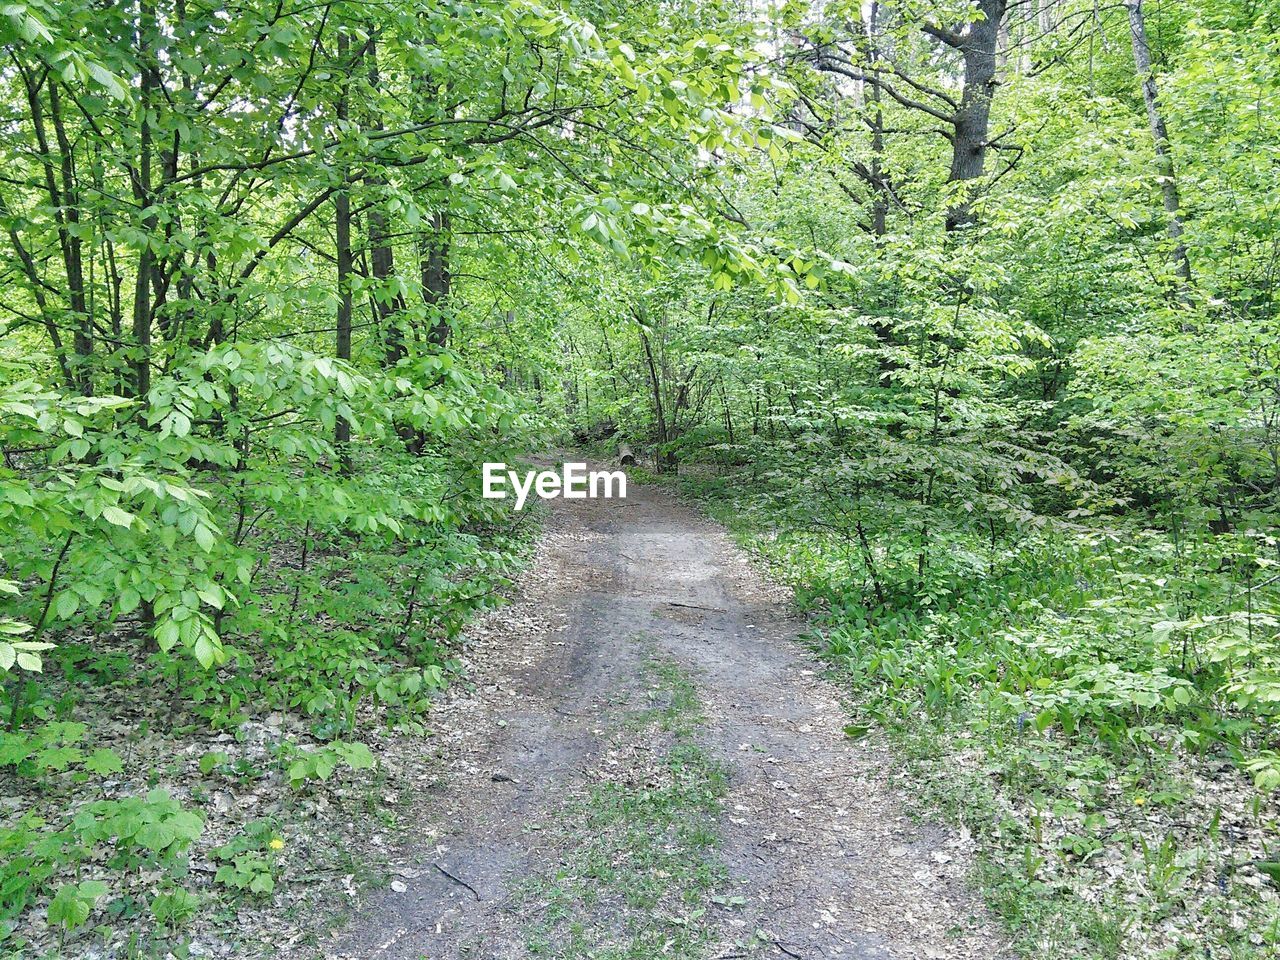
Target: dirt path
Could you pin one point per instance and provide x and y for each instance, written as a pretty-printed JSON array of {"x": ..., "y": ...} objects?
[{"x": 650, "y": 766}]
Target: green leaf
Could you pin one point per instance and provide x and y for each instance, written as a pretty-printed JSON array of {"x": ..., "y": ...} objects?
[
  {"x": 121, "y": 518},
  {"x": 72, "y": 904},
  {"x": 157, "y": 835},
  {"x": 68, "y": 909},
  {"x": 108, "y": 80},
  {"x": 66, "y": 605},
  {"x": 103, "y": 762},
  {"x": 204, "y": 537},
  {"x": 356, "y": 755},
  {"x": 211, "y": 760},
  {"x": 262, "y": 883}
]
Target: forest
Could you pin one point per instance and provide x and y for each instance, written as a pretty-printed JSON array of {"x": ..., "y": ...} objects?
[{"x": 959, "y": 316}]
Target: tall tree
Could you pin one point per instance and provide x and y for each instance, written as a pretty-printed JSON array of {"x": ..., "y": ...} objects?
[
  {"x": 977, "y": 42},
  {"x": 1165, "y": 168},
  {"x": 148, "y": 83},
  {"x": 342, "y": 230},
  {"x": 436, "y": 278},
  {"x": 966, "y": 117}
]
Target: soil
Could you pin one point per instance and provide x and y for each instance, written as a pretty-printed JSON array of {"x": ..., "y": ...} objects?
[{"x": 816, "y": 843}]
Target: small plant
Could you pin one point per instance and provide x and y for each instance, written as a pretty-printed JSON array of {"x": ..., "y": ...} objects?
[
  {"x": 1080, "y": 846},
  {"x": 248, "y": 861},
  {"x": 319, "y": 764},
  {"x": 174, "y": 908},
  {"x": 211, "y": 761},
  {"x": 72, "y": 904},
  {"x": 142, "y": 829},
  {"x": 104, "y": 762},
  {"x": 1163, "y": 870},
  {"x": 247, "y": 871},
  {"x": 56, "y": 747}
]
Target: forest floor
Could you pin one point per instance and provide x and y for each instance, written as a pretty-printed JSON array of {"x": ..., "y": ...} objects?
[{"x": 648, "y": 763}]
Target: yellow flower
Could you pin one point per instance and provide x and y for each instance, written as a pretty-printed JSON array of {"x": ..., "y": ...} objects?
[
  {"x": 1139, "y": 801},
  {"x": 276, "y": 843}
]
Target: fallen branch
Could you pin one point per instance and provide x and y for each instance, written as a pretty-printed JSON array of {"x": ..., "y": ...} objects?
[
  {"x": 695, "y": 606},
  {"x": 460, "y": 882}
]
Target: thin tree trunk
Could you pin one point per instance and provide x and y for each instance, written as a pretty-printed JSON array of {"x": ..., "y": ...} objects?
[
  {"x": 879, "y": 186},
  {"x": 32, "y": 273},
  {"x": 72, "y": 250},
  {"x": 660, "y": 460},
  {"x": 381, "y": 255},
  {"x": 342, "y": 225},
  {"x": 436, "y": 279},
  {"x": 1044, "y": 13},
  {"x": 879, "y": 183},
  {"x": 1160, "y": 135},
  {"x": 66, "y": 215},
  {"x": 142, "y": 193}
]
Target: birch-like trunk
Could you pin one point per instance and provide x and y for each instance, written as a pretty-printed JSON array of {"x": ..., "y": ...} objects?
[{"x": 1160, "y": 135}]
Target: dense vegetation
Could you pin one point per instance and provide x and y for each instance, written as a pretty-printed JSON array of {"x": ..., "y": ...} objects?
[{"x": 963, "y": 311}]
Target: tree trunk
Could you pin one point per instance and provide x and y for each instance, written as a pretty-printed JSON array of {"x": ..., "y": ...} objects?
[
  {"x": 879, "y": 183},
  {"x": 72, "y": 251},
  {"x": 435, "y": 276},
  {"x": 660, "y": 458},
  {"x": 342, "y": 224},
  {"x": 973, "y": 118},
  {"x": 142, "y": 194},
  {"x": 65, "y": 203},
  {"x": 1160, "y": 135},
  {"x": 381, "y": 255},
  {"x": 1044, "y": 13},
  {"x": 875, "y": 118}
]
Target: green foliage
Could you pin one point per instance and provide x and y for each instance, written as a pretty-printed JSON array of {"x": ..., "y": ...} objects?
[
  {"x": 154, "y": 828},
  {"x": 211, "y": 761},
  {"x": 175, "y": 908},
  {"x": 220, "y": 482},
  {"x": 29, "y": 860},
  {"x": 319, "y": 764},
  {"x": 104, "y": 762},
  {"x": 998, "y": 394},
  {"x": 247, "y": 872},
  {"x": 1053, "y": 662},
  {"x": 248, "y": 861},
  {"x": 49, "y": 748},
  {"x": 72, "y": 904},
  {"x": 125, "y": 835}
]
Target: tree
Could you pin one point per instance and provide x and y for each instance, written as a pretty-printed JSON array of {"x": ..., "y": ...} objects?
[
  {"x": 966, "y": 117},
  {"x": 1160, "y": 137}
]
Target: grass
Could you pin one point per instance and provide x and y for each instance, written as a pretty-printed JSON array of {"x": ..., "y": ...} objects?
[
  {"x": 1109, "y": 823},
  {"x": 639, "y": 873},
  {"x": 1045, "y": 919}
]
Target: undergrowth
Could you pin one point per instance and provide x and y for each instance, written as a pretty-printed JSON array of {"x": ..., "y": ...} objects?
[{"x": 1066, "y": 699}]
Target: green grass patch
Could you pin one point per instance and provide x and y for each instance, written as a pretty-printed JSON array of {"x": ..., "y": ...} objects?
[
  {"x": 639, "y": 870},
  {"x": 1042, "y": 699}
]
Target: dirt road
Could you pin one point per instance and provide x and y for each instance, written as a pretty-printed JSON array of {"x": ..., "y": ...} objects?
[{"x": 650, "y": 765}]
